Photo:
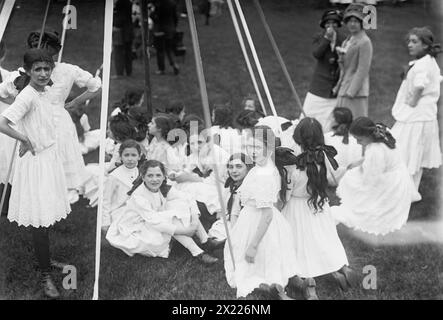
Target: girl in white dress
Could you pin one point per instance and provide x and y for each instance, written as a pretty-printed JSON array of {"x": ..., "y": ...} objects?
[
  {"x": 39, "y": 197},
  {"x": 261, "y": 238},
  {"x": 225, "y": 135},
  {"x": 154, "y": 213},
  {"x": 415, "y": 108},
  {"x": 348, "y": 150},
  {"x": 238, "y": 166},
  {"x": 120, "y": 181},
  {"x": 64, "y": 76},
  {"x": 318, "y": 248},
  {"x": 376, "y": 192}
]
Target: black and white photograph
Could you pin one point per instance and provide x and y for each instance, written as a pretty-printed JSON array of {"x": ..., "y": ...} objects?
[{"x": 222, "y": 150}]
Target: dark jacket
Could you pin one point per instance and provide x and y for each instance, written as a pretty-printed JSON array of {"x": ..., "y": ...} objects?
[
  {"x": 165, "y": 17},
  {"x": 326, "y": 72},
  {"x": 123, "y": 20}
]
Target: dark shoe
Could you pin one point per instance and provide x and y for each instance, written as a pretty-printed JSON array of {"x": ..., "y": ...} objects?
[
  {"x": 295, "y": 287},
  {"x": 212, "y": 245},
  {"x": 48, "y": 286},
  {"x": 341, "y": 280},
  {"x": 176, "y": 70},
  {"x": 309, "y": 289},
  {"x": 351, "y": 276},
  {"x": 206, "y": 258},
  {"x": 278, "y": 291}
]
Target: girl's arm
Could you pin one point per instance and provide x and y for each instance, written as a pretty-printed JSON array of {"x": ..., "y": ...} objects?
[
  {"x": 265, "y": 221},
  {"x": 414, "y": 96},
  {"x": 5, "y": 128},
  {"x": 81, "y": 99}
]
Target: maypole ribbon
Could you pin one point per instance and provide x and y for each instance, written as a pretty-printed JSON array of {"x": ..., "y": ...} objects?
[
  {"x": 107, "y": 48},
  {"x": 279, "y": 56},
  {"x": 8, "y": 5},
  {"x": 42, "y": 31},
  {"x": 245, "y": 54},
  {"x": 205, "y": 102}
]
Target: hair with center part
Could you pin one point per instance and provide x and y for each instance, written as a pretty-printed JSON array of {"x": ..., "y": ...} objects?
[
  {"x": 130, "y": 143},
  {"x": 309, "y": 135},
  {"x": 164, "y": 188},
  {"x": 36, "y": 55}
]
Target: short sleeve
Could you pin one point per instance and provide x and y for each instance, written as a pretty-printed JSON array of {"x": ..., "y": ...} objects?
[
  {"x": 18, "y": 109},
  {"x": 7, "y": 87},
  {"x": 83, "y": 79},
  {"x": 263, "y": 188},
  {"x": 421, "y": 79}
]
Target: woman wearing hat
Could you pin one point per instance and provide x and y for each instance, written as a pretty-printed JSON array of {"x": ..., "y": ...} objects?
[
  {"x": 415, "y": 108},
  {"x": 320, "y": 100},
  {"x": 356, "y": 56}
]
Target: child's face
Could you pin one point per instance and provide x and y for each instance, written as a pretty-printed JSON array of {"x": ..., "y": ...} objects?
[
  {"x": 130, "y": 157},
  {"x": 40, "y": 74},
  {"x": 363, "y": 141},
  {"x": 237, "y": 170},
  {"x": 415, "y": 46},
  {"x": 256, "y": 149},
  {"x": 153, "y": 178},
  {"x": 152, "y": 127},
  {"x": 250, "y": 105}
]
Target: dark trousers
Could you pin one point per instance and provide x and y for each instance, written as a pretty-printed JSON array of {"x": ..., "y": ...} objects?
[
  {"x": 164, "y": 45},
  {"x": 40, "y": 238},
  {"x": 123, "y": 58}
]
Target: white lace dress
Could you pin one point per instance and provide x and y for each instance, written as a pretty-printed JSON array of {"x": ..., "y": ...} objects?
[
  {"x": 39, "y": 194},
  {"x": 275, "y": 261}
]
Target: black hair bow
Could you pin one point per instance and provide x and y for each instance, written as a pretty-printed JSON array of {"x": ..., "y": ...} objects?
[{"x": 317, "y": 156}]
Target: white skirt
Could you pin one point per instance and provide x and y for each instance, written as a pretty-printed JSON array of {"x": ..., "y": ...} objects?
[
  {"x": 70, "y": 151},
  {"x": 6, "y": 150},
  {"x": 39, "y": 195},
  {"x": 91, "y": 141},
  {"x": 377, "y": 209},
  {"x": 275, "y": 260},
  {"x": 218, "y": 230},
  {"x": 320, "y": 109},
  {"x": 318, "y": 248},
  {"x": 419, "y": 144}
]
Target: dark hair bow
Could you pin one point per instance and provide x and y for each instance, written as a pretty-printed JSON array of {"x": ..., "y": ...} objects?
[
  {"x": 285, "y": 156},
  {"x": 317, "y": 156},
  {"x": 23, "y": 80}
]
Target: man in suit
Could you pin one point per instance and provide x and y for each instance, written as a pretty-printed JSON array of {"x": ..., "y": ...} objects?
[{"x": 122, "y": 37}]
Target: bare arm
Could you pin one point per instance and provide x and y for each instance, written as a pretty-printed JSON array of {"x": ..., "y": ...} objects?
[
  {"x": 81, "y": 99},
  {"x": 5, "y": 128}
]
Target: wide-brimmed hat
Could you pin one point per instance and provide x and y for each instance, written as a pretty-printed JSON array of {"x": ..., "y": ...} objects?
[
  {"x": 334, "y": 15},
  {"x": 354, "y": 10}
]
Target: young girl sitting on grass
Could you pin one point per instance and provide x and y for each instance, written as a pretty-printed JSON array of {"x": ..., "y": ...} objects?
[
  {"x": 120, "y": 181},
  {"x": 154, "y": 213}
]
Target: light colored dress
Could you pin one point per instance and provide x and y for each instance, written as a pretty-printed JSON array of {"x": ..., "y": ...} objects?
[
  {"x": 318, "y": 248},
  {"x": 230, "y": 139},
  {"x": 162, "y": 151},
  {"x": 147, "y": 222},
  {"x": 346, "y": 154},
  {"x": 39, "y": 194},
  {"x": 91, "y": 139},
  {"x": 376, "y": 196},
  {"x": 117, "y": 186},
  {"x": 275, "y": 261},
  {"x": 416, "y": 129}
]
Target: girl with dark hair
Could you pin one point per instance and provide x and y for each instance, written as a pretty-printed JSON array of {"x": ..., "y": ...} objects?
[
  {"x": 238, "y": 167},
  {"x": 376, "y": 192},
  {"x": 318, "y": 248},
  {"x": 39, "y": 197},
  {"x": 223, "y": 131},
  {"x": 133, "y": 98},
  {"x": 120, "y": 181},
  {"x": 160, "y": 148},
  {"x": 261, "y": 238},
  {"x": 154, "y": 213},
  {"x": 415, "y": 108},
  {"x": 348, "y": 150}
]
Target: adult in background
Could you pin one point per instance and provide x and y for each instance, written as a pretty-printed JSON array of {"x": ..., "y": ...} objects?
[
  {"x": 356, "y": 56},
  {"x": 122, "y": 37},
  {"x": 165, "y": 24},
  {"x": 321, "y": 100}
]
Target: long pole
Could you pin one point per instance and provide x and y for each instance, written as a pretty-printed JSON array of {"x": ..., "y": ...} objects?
[
  {"x": 65, "y": 26},
  {"x": 145, "y": 35},
  {"x": 107, "y": 48},
  {"x": 8, "y": 5},
  {"x": 245, "y": 54},
  {"x": 44, "y": 24},
  {"x": 205, "y": 103},
  {"x": 279, "y": 56}
]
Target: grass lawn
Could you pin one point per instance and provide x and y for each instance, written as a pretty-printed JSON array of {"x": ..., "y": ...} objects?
[{"x": 412, "y": 271}]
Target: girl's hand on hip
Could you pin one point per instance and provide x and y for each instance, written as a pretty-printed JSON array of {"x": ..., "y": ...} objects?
[
  {"x": 26, "y": 146},
  {"x": 250, "y": 254}
]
